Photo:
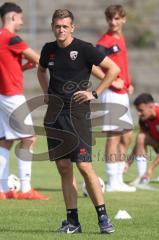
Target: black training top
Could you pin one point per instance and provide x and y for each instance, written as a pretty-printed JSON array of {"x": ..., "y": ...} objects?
[{"x": 69, "y": 67}]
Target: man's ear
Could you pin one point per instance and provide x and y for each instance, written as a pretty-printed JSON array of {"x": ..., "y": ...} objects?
[
  {"x": 12, "y": 16},
  {"x": 124, "y": 19},
  {"x": 151, "y": 105},
  {"x": 73, "y": 28}
]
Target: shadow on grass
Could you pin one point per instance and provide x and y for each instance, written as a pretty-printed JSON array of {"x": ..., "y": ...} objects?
[
  {"x": 49, "y": 189},
  {"x": 3, "y": 230},
  {"x": 37, "y": 231}
]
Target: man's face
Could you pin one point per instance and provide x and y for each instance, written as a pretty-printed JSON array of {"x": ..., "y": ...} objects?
[
  {"x": 116, "y": 23},
  {"x": 145, "y": 111},
  {"x": 18, "y": 21},
  {"x": 62, "y": 28}
]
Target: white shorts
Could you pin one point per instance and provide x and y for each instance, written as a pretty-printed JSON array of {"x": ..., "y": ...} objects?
[
  {"x": 15, "y": 118},
  {"x": 113, "y": 113}
]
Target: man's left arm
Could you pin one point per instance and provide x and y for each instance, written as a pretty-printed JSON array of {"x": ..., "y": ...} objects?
[
  {"x": 112, "y": 70},
  {"x": 21, "y": 48},
  {"x": 31, "y": 58}
]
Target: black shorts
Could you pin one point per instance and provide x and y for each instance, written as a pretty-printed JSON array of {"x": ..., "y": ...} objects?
[{"x": 68, "y": 131}]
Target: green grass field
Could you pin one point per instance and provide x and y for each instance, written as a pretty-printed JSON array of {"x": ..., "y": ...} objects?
[{"x": 35, "y": 220}]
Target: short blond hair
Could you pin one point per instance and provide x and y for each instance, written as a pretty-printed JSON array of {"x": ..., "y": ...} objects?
[{"x": 62, "y": 13}]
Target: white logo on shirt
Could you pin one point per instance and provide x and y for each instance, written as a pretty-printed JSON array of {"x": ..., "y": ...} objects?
[
  {"x": 73, "y": 55},
  {"x": 115, "y": 48},
  {"x": 51, "y": 63}
]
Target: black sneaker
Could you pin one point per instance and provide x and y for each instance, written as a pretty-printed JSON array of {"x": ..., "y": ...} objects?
[
  {"x": 68, "y": 228},
  {"x": 105, "y": 225}
]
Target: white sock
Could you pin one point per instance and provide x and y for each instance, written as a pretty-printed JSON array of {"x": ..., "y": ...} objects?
[
  {"x": 120, "y": 171},
  {"x": 111, "y": 171},
  {"x": 141, "y": 164},
  {"x": 4, "y": 169},
  {"x": 24, "y": 168}
]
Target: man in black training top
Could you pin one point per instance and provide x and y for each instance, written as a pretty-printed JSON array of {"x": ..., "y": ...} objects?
[{"x": 67, "y": 122}]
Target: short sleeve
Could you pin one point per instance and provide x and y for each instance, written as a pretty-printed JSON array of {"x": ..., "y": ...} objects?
[
  {"x": 43, "y": 57},
  {"x": 108, "y": 51},
  {"x": 93, "y": 55},
  {"x": 17, "y": 45}
]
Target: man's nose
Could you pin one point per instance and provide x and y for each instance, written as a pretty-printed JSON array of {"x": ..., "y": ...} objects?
[
  {"x": 113, "y": 21},
  {"x": 61, "y": 29}
]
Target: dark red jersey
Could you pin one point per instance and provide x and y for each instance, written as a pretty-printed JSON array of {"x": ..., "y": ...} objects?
[
  {"x": 115, "y": 48},
  {"x": 11, "y": 76},
  {"x": 152, "y": 126}
]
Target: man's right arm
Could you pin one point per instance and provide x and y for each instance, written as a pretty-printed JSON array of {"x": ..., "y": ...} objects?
[{"x": 43, "y": 80}]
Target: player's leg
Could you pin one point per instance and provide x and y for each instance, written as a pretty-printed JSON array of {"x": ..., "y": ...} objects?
[
  {"x": 65, "y": 169},
  {"x": 114, "y": 165},
  {"x": 112, "y": 159},
  {"x": 111, "y": 148},
  {"x": 92, "y": 182},
  {"x": 5, "y": 146},
  {"x": 19, "y": 126},
  {"x": 69, "y": 188},
  {"x": 25, "y": 148},
  {"x": 141, "y": 154},
  {"x": 125, "y": 141},
  {"x": 96, "y": 195},
  {"x": 25, "y": 165}
]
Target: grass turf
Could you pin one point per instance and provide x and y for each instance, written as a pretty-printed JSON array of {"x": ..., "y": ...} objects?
[{"x": 36, "y": 220}]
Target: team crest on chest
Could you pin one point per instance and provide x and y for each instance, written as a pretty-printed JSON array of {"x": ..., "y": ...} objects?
[
  {"x": 116, "y": 49},
  {"x": 73, "y": 55}
]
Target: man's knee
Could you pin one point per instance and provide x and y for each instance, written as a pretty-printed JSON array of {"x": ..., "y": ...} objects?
[
  {"x": 111, "y": 140},
  {"x": 85, "y": 168},
  {"x": 64, "y": 167},
  {"x": 126, "y": 139}
]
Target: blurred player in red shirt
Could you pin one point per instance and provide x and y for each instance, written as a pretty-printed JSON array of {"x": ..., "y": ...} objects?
[
  {"x": 148, "y": 112},
  {"x": 13, "y": 51},
  {"x": 112, "y": 44}
]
